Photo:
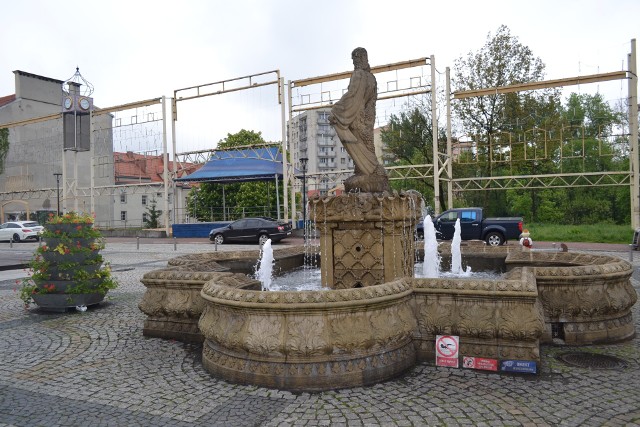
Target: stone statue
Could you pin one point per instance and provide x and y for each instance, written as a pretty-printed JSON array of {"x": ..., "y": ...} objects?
[{"x": 353, "y": 117}]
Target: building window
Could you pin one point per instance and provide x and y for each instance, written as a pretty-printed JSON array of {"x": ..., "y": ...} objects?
[
  {"x": 144, "y": 200},
  {"x": 323, "y": 160},
  {"x": 343, "y": 161},
  {"x": 123, "y": 197},
  {"x": 123, "y": 215},
  {"x": 145, "y": 217},
  {"x": 324, "y": 129}
]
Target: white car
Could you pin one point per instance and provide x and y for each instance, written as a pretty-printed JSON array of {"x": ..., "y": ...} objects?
[{"x": 18, "y": 231}]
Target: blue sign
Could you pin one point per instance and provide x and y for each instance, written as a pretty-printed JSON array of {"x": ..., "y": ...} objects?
[{"x": 520, "y": 366}]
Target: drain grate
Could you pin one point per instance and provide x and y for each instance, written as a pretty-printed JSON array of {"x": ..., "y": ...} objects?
[{"x": 592, "y": 361}]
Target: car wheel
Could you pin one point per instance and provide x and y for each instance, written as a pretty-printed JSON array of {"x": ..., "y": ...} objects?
[
  {"x": 494, "y": 239},
  {"x": 218, "y": 239},
  {"x": 263, "y": 239},
  {"x": 16, "y": 237}
]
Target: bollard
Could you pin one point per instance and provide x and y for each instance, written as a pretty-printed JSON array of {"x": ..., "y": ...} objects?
[
  {"x": 175, "y": 244},
  {"x": 138, "y": 243},
  {"x": 631, "y": 253},
  {"x": 11, "y": 242},
  {"x": 216, "y": 246},
  {"x": 554, "y": 247}
]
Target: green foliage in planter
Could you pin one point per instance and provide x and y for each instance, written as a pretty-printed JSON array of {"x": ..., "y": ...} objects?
[
  {"x": 70, "y": 246},
  {"x": 70, "y": 218}
]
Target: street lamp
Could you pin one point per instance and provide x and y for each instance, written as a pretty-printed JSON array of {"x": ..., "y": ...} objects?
[
  {"x": 58, "y": 175},
  {"x": 303, "y": 164}
]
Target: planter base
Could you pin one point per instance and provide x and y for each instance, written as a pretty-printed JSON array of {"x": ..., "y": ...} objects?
[{"x": 61, "y": 302}]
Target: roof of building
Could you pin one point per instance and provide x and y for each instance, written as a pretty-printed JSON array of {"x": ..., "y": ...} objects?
[
  {"x": 225, "y": 166},
  {"x": 35, "y": 76},
  {"x": 4, "y": 100},
  {"x": 140, "y": 168}
]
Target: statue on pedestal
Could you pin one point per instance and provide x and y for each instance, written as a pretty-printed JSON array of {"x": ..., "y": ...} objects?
[{"x": 353, "y": 117}]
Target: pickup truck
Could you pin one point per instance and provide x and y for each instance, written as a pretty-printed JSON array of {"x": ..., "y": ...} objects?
[{"x": 473, "y": 226}]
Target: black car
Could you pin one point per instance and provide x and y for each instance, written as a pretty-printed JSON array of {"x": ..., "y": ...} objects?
[{"x": 251, "y": 230}]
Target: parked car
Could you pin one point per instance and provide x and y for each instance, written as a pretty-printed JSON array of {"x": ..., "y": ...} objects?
[
  {"x": 18, "y": 231},
  {"x": 251, "y": 230},
  {"x": 474, "y": 226}
]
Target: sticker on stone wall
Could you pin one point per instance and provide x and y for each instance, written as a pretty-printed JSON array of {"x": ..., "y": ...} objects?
[
  {"x": 480, "y": 363},
  {"x": 519, "y": 366},
  {"x": 447, "y": 350}
]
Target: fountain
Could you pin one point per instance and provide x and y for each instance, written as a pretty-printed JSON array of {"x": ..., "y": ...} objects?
[{"x": 377, "y": 320}]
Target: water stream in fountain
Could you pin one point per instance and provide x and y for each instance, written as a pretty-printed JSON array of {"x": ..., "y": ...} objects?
[
  {"x": 431, "y": 264},
  {"x": 265, "y": 271},
  {"x": 456, "y": 255}
]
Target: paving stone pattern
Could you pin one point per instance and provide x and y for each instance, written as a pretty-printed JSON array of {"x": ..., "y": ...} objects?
[{"x": 96, "y": 369}]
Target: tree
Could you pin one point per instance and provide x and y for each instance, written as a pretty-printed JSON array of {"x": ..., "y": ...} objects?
[
  {"x": 153, "y": 215},
  {"x": 502, "y": 61},
  {"x": 408, "y": 140},
  {"x": 491, "y": 120}
]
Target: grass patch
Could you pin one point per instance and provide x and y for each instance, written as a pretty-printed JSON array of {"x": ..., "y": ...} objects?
[{"x": 594, "y": 233}]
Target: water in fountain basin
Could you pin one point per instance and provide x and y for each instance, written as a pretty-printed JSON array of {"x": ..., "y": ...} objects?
[
  {"x": 431, "y": 264},
  {"x": 265, "y": 272}
]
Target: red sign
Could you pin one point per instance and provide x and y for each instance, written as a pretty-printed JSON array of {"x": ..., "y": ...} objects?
[
  {"x": 447, "y": 350},
  {"x": 480, "y": 363}
]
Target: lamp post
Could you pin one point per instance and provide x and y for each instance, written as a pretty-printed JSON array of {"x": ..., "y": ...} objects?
[
  {"x": 58, "y": 175},
  {"x": 303, "y": 164}
]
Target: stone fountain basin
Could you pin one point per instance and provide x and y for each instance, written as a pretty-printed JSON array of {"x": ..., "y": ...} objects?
[
  {"x": 308, "y": 340},
  {"x": 327, "y": 339}
]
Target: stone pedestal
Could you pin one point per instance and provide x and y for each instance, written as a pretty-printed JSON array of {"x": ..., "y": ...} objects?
[{"x": 366, "y": 239}]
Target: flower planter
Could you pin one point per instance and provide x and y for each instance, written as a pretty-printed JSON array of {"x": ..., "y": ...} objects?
[
  {"x": 61, "y": 302},
  {"x": 71, "y": 263}
]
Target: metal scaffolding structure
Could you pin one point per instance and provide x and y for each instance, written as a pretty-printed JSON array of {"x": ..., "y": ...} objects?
[{"x": 439, "y": 172}]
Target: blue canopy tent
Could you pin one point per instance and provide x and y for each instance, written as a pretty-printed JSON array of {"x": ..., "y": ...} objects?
[
  {"x": 231, "y": 166},
  {"x": 257, "y": 164}
]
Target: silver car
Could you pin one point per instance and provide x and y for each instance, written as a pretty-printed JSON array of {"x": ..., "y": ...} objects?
[{"x": 18, "y": 231}]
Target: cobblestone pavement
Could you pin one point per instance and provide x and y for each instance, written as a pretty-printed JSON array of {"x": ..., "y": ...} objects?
[{"x": 95, "y": 368}]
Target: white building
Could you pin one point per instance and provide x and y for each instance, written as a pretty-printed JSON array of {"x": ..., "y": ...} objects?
[{"x": 314, "y": 138}]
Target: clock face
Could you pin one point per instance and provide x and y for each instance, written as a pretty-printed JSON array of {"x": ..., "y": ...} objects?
[
  {"x": 68, "y": 102},
  {"x": 84, "y": 103}
]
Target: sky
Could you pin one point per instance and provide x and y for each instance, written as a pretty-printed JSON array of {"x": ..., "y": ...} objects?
[{"x": 137, "y": 49}]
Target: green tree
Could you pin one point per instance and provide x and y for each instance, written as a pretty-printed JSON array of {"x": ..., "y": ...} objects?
[
  {"x": 153, "y": 215},
  {"x": 588, "y": 146},
  {"x": 492, "y": 120},
  {"x": 408, "y": 140}
]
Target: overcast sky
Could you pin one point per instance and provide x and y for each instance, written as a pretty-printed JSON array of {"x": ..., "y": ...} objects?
[{"x": 133, "y": 50}]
